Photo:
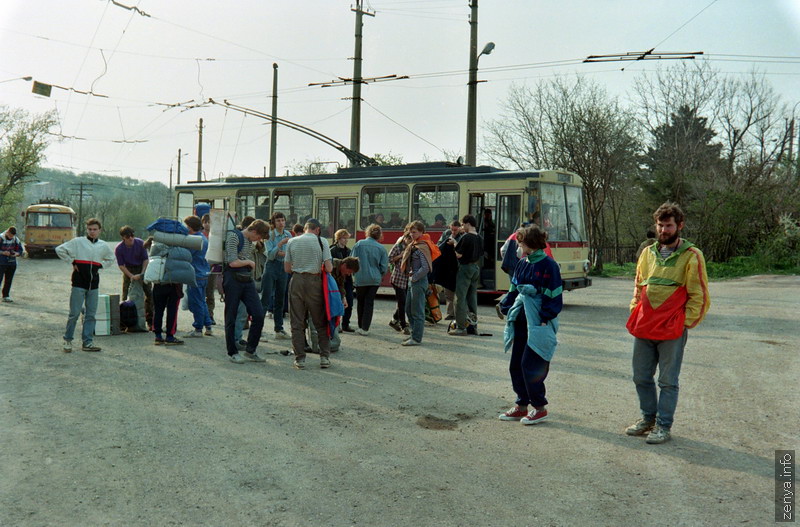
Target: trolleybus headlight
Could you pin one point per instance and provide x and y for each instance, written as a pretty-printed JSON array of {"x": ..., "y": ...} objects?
[{"x": 586, "y": 266}]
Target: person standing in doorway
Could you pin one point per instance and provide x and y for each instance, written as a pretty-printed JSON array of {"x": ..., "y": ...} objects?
[
  {"x": 468, "y": 251},
  {"x": 87, "y": 254},
  {"x": 670, "y": 297}
]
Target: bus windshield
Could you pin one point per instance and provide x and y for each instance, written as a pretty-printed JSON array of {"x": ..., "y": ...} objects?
[{"x": 49, "y": 219}]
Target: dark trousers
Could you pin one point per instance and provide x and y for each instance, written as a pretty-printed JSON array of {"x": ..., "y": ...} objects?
[
  {"x": 244, "y": 292},
  {"x": 348, "y": 294},
  {"x": 400, "y": 312},
  {"x": 365, "y": 295},
  {"x": 528, "y": 370},
  {"x": 6, "y": 277},
  {"x": 166, "y": 297}
]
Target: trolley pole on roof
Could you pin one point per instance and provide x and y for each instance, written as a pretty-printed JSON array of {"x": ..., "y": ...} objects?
[
  {"x": 273, "y": 142},
  {"x": 355, "y": 118}
]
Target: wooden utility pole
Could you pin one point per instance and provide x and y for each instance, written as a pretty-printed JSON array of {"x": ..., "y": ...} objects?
[
  {"x": 355, "y": 118},
  {"x": 273, "y": 142},
  {"x": 200, "y": 152}
]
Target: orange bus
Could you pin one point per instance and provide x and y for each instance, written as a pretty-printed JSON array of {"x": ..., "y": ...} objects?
[{"x": 47, "y": 225}]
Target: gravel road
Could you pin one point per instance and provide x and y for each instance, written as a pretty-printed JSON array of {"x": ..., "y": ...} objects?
[{"x": 389, "y": 436}]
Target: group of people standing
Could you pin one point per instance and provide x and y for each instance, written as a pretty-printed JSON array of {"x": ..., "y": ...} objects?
[{"x": 670, "y": 297}]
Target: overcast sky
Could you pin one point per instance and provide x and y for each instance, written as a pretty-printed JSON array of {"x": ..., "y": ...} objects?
[{"x": 195, "y": 49}]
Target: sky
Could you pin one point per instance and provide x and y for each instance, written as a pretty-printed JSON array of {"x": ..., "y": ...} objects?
[{"x": 192, "y": 50}]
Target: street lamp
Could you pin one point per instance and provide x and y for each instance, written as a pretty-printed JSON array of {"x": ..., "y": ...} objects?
[{"x": 472, "y": 102}]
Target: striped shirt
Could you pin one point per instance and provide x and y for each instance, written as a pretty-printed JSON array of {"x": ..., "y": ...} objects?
[
  {"x": 232, "y": 251},
  {"x": 305, "y": 254}
]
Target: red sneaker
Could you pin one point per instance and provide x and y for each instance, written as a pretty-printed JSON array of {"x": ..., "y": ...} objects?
[
  {"x": 515, "y": 413},
  {"x": 534, "y": 417}
]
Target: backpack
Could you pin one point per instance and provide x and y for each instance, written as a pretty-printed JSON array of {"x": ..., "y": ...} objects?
[{"x": 128, "y": 315}]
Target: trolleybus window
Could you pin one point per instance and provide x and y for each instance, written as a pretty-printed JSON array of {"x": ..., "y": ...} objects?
[
  {"x": 435, "y": 205},
  {"x": 254, "y": 204},
  {"x": 294, "y": 203},
  {"x": 554, "y": 212},
  {"x": 47, "y": 219},
  {"x": 185, "y": 204},
  {"x": 386, "y": 205},
  {"x": 577, "y": 228}
]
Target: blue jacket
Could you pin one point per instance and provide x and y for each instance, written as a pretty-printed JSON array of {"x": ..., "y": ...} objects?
[
  {"x": 199, "y": 262},
  {"x": 373, "y": 262}
]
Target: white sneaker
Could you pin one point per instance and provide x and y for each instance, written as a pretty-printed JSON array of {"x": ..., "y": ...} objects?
[
  {"x": 209, "y": 332},
  {"x": 193, "y": 333},
  {"x": 7, "y": 299},
  {"x": 362, "y": 332},
  {"x": 282, "y": 335},
  {"x": 67, "y": 347},
  {"x": 236, "y": 358}
]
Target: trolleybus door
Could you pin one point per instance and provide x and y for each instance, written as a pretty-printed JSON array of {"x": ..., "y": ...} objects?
[
  {"x": 335, "y": 214},
  {"x": 509, "y": 211}
]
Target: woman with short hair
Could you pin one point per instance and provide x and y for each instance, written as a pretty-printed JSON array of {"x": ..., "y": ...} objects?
[
  {"x": 340, "y": 250},
  {"x": 374, "y": 262}
]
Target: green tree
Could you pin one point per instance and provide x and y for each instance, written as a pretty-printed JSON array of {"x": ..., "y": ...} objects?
[
  {"x": 682, "y": 154},
  {"x": 23, "y": 140}
]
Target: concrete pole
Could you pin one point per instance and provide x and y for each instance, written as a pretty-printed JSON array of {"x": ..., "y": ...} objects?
[
  {"x": 273, "y": 142},
  {"x": 179, "y": 166},
  {"x": 472, "y": 97},
  {"x": 200, "y": 152},
  {"x": 355, "y": 118}
]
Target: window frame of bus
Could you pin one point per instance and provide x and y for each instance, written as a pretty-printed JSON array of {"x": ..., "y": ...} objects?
[
  {"x": 436, "y": 189},
  {"x": 180, "y": 206},
  {"x": 365, "y": 213},
  {"x": 243, "y": 208},
  {"x": 49, "y": 223},
  {"x": 277, "y": 193}
]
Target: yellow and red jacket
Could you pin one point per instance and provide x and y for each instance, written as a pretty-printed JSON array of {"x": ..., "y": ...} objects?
[{"x": 669, "y": 294}]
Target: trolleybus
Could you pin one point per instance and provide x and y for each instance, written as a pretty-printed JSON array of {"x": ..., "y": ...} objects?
[
  {"x": 47, "y": 225},
  {"x": 434, "y": 193}
]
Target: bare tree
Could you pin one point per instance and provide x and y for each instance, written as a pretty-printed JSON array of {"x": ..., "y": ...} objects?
[{"x": 572, "y": 124}]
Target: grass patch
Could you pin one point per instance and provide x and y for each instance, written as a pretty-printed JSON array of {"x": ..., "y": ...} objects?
[{"x": 737, "y": 267}]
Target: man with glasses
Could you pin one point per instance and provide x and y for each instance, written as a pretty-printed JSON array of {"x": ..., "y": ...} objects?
[{"x": 132, "y": 261}]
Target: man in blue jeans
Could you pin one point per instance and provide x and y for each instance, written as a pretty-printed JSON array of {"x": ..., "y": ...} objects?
[
  {"x": 87, "y": 254},
  {"x": 197, "y": 294},
  {"x": 275, "y": 277}
]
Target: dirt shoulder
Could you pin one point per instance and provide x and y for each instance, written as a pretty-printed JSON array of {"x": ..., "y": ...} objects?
[{"x": 146, "y": 435}]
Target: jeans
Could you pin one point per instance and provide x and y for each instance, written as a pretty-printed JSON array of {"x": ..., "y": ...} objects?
[
  {"x": 415, "y": 307},
  {"x": 528, "y": 370},
  {"x": 273, "y": 291},
  {"x": 668, "y": 356},
  {"x": 197, "y": 304},
  {"x": 466, "y": 293},
  {"x": 365, "y": 295},
  {"x": 166, "y": 297},
  {"x": 6, "y": 277},
  {"x": 77, "y": 298},
  {"x": 244, "y": 292},
  {"x": 349, "y": 295},
  {"x": 400, "y": 312}
]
